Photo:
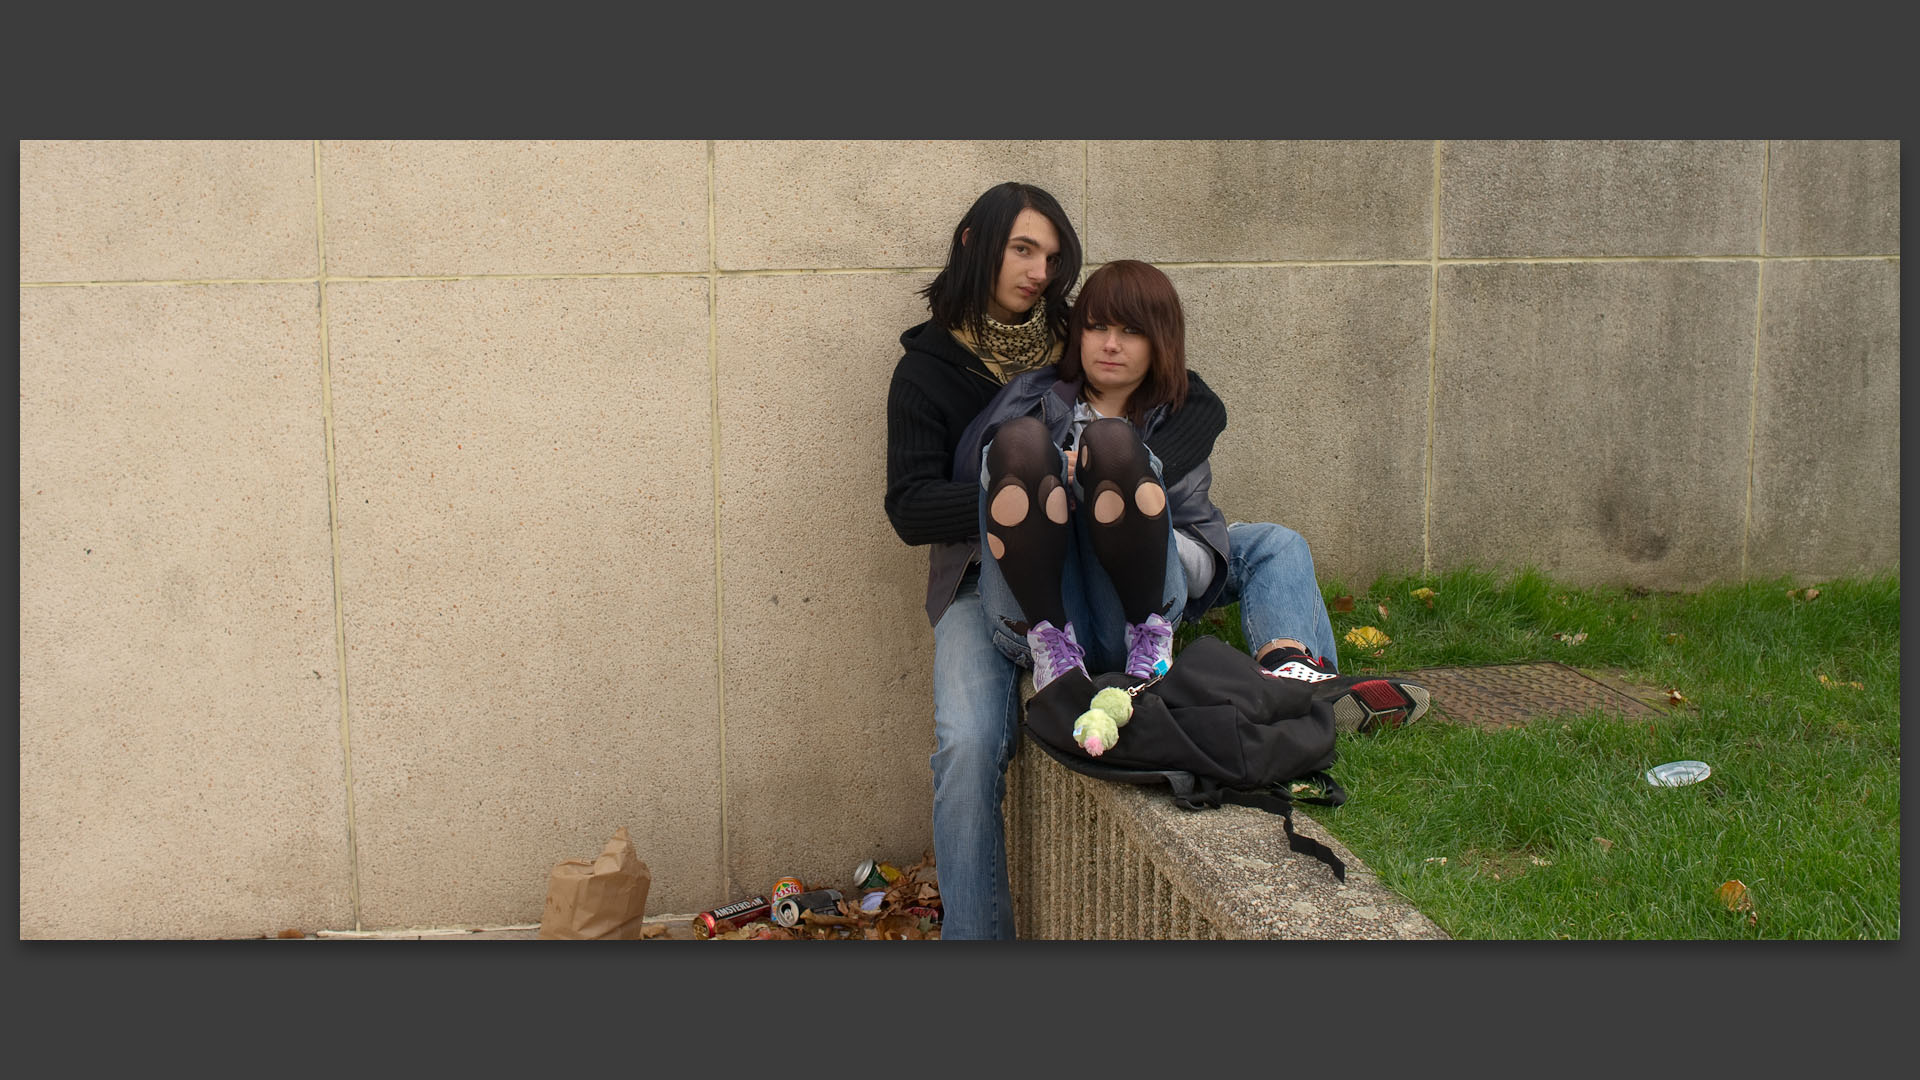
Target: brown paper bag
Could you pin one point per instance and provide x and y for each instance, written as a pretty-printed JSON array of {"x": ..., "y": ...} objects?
[{"x": 605, "y": 899}]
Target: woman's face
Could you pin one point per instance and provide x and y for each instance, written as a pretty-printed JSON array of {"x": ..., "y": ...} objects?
[
  {"x": 1114, "y": 357},
  {"x": 1033, "y": 251}
]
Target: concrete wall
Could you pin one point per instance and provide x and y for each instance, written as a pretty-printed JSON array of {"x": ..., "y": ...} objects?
[{"x": 397, "y": 520}]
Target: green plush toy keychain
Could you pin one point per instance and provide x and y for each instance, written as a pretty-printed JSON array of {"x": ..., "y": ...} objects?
[{"x": 1098, "y": 728}]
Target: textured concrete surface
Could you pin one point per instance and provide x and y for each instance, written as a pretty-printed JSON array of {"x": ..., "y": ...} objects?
[
  {"x": 1545, "y": 450},
  {"x": 1641, "y": 197},
  {"x": 837, "y": 204},
  {"x": 541, "y": 207},
  {"x": 1324, "y": 373},
  {"x": 1826, "y": 469},
  {"x": 180, "y": 758},
  {"x": 526, "y": 546},
  {"x": 1833, "y": 198},
  {"x": 1259, "y": 201},
  {"x": 166, "y": 211},
  {"x": 1097, "y": 860},
  {"x": 829, "y": 658}
]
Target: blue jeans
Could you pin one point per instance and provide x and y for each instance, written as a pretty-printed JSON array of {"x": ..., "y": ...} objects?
[
  {"x": 1270, "y": 575},
  {"x": 976, "y": 722}
]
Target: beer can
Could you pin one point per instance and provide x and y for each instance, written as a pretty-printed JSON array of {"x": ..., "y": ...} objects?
[
  {"x": 874, "y": 875},
  {"x": 789, "y": 910},
  {"x": 785, "y": 887},
  {"x": 732, "y": 916}
]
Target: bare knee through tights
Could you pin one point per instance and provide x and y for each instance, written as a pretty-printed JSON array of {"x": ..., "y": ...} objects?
[
  {"x": 1129, "y": 506},
  {"x": 1027, "y": 517}
]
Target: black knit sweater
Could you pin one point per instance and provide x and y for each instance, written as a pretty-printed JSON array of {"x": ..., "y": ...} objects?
[{"x": 938, "y": 387}]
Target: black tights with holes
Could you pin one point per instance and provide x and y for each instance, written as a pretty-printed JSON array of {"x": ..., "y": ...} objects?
[{"x": 1028, "y": 517}]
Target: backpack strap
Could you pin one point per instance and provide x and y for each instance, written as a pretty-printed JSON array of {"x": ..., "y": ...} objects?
[
  {"x": 1276, "y": 800},
  {"x": 1335, "y": 794}
]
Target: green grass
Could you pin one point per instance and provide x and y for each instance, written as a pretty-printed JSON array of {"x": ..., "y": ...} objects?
[{"x": 1548, "y": 830}]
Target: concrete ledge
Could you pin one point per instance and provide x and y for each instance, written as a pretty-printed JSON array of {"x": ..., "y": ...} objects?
[{"x": 1095, "y": 859}]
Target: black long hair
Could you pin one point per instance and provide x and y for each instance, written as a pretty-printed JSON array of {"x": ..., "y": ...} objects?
[{"x": 958, "y": 295}]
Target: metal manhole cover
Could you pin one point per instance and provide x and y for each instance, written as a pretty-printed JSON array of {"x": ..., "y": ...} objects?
[{"x": 1503, "y": 695}]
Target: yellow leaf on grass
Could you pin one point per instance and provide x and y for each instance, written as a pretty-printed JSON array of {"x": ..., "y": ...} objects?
[
  {"x": 1426, "y": 595},
  {"x": 1734, "y": 895},
  {"x": 1367, "y": 637}
]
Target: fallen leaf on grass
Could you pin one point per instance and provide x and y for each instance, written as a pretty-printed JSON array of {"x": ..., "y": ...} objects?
[
  {"x": 1343, "y": 603},
  {"x": 1802, "y": 594},
  {"x": 1674, "y": 697},
  {"x": 1367, "y": 637},
  {"x": 1753, "y": 919},
  {"x": 1571, "y": 639},
  {"x": 1836, "y": 683},
  {"x": 1605, "y": 844},
  {"x": 1441, "y": 859},
  {"x": 1734, "y": 895},
  {"x": 1425, "y": 595},
  {"x": 1383, "y": 611}
]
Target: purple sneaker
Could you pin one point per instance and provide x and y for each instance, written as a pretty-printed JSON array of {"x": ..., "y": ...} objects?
[
  {"x": 1055, "y": 652},
  {"x": 1149, "y": 647}
]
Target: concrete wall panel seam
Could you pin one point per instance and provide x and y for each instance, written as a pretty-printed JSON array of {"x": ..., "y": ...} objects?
[
  {"x": 1753, "y": 385},
  {"x": 719, "y": 577},
  {"x": 1433, "y": 346},
  {"x": 150, "y": 284},
  {"x": 333, "y": 540},
  {"x": 1086, "y": 198}
]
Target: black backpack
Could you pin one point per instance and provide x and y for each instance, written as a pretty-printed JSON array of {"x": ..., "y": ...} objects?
[{"x": 1216, "y": 728}]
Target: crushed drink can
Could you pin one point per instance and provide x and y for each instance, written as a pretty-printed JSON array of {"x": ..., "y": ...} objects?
[
  {"x": 873, "y": 900},
  {"x": 874, "y": 875},
  {"x": 790, "y": 910},
  {"x": 785, "y": 887},
  {"x": 737, "y": 914}
]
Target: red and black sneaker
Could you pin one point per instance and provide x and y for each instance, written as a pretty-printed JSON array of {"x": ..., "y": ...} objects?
[
  {"x": 1288, "y": 662},
  {"x": 1360, "y": 703},
  {"x": 1369, "y": 704}
]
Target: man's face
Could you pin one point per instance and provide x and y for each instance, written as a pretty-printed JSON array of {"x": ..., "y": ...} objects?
[{"x": 1033, "y": 252}]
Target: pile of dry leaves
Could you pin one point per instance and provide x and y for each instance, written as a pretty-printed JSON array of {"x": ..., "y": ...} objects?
[{"x": 910, "y": 911}]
